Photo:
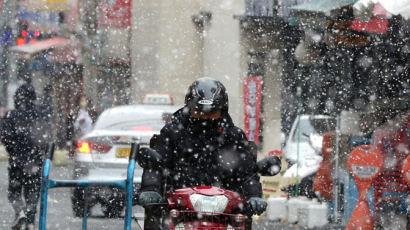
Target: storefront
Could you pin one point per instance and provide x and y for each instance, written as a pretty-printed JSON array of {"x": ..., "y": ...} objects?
[
  {"x": 355, "y": 71},
  {"x": 52, "y": 65}
]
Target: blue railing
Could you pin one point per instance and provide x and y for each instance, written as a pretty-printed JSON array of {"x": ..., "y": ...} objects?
[{"x": 126, "y": 184}]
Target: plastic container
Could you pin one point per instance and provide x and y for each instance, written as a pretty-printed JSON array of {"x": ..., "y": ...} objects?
[
  {"x": 293, "y": 208},
  {"x": 303, "y": 211},
  {"x": 314, "y": 215},
  {"x": 277, "y": 209}
]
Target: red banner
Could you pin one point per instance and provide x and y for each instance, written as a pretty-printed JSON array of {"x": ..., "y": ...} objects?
[
  {"x": 252, "y": 90},
  {"x": 115, "y": 13}
]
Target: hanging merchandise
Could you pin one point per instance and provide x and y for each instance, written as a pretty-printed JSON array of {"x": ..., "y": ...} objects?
[
  {"x": 390, "y": 188},
  {"x": 253, "y": 100},
  {"x": 323, "y": 183},
  {"x": 406, "y": 169}
]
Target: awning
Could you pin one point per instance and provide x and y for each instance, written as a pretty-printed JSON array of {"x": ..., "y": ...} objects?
[
  {"x": 315, "y": 13},
  {"x": 59, "y": 49},
  {"x": 322, "y": 6},
  {"x": 67, "y": 53},
  {"x": 35, "y": 47},
  {"x": 395, "y": 7},
  {"x": 373, "y": 22}
]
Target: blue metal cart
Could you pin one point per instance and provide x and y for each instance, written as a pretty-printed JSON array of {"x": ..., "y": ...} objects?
[{"x": 126, "y": 184}]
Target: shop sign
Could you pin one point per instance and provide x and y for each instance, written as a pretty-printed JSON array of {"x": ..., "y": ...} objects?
[
  {"x": 261, "y": 8},
  {"x": 115, "y": 13},
  {"x": 40, "y": 20},
  {"x": 47, "y": 5},
  {"x": 252, "y": 102}
]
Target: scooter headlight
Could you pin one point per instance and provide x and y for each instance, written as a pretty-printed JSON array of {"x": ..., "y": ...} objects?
[{"x": 209, "y": 204}]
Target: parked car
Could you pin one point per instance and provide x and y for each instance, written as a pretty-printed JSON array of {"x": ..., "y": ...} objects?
[
  {"x": 310, "y": 136},
  {"x": 103, "y": 153}
]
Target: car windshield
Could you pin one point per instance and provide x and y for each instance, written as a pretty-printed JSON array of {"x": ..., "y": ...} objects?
[
  {"x": 131, "y": 119},
  {"x": 133, "y": 125},
  {"x": 314, "y": 126}
]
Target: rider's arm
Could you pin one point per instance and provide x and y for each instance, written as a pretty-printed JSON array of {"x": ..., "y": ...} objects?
[
  {"x": 152, "y": 179},
  {"x": 246, "y": 174}
]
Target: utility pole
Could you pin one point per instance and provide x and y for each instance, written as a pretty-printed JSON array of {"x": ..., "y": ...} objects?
[
  {"x": 8, "y": 31},
  {"x": 89, "y": 48}
]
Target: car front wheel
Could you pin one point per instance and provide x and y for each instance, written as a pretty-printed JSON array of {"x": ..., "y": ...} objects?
[
  {"x": 78, "y": 202},
  {"x": 112, "y": 202},
  {"x": 112, "y": 208}
]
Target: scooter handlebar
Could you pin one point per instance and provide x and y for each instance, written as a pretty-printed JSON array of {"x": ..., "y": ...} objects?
[
  {"x": 135, "y": 147},
  {"x": 50, "y": 150}
]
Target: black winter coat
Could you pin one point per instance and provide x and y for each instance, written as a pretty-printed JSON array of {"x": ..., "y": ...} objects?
[
  {"x": 219, "y": 157},
  {"x": 24, "y": 133}
]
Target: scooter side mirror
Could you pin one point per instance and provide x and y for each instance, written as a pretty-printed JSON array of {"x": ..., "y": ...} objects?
[
  {"x": 282, "y": 139},
  {"x": 269, "y": 166},
  {"x": 148, "y": 158}
]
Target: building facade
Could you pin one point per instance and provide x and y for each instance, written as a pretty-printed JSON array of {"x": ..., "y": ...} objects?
[{"x": 173, "y": 43}]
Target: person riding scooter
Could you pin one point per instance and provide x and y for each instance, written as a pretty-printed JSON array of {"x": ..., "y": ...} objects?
[{"x": 201, "y": 146}]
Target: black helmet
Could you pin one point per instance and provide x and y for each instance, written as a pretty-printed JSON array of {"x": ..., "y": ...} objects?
[{"x": 207, "y": 94}]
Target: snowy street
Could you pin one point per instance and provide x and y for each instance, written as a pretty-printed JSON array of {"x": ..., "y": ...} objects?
[{"x": 59, "y": 212}]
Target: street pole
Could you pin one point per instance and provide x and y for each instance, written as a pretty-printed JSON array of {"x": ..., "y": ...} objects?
[
  {"x": 89, "y": 49},
  {"x": 8, "y": 28},
  {"x": 336, "y": 186},
  {"x": 299, "y": 111}
]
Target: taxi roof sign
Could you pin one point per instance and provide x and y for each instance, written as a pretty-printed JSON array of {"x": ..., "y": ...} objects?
[{"x": 158, "y": 99}]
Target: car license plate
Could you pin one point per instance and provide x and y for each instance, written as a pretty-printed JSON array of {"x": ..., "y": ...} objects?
[{"x": 123, "y": 152}]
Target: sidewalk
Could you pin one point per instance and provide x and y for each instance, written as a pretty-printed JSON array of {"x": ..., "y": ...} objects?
[
  {"x": 3, "y": 153},
  {"x": 268, "y": 225},
  {"x": 60, "y": 156}
]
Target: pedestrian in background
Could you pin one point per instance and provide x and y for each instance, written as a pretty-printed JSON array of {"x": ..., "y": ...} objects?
[
  {"x": 83, "y": 123},
  {"x": 24, "y": 134}
]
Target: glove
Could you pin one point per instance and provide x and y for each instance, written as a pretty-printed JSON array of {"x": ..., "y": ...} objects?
[
  {"x": 257, "y": 205},
  {"x": 147, "y": 198}
]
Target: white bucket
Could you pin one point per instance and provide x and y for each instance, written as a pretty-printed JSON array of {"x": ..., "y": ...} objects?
[
  {"x": 277, "y": 209},
  {"x": 315, "y": 215},
  {"x": 293, "y": 208},
  {"x": 303, "y": 211}
]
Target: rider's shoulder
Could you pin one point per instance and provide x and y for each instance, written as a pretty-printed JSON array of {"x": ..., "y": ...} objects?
[{"x": 235, "y": 131}]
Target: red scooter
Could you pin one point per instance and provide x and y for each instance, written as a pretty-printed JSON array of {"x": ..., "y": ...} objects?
[{"x": 206, "y": 207}]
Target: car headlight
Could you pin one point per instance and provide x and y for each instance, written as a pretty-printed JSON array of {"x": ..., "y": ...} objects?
[{"x": 211, "y": 204}]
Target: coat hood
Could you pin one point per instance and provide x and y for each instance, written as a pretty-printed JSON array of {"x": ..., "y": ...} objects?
[{"x": 25, "y": 96}]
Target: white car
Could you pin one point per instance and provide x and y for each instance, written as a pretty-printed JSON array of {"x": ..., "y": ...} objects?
[{"x": 103, "y": 153}]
